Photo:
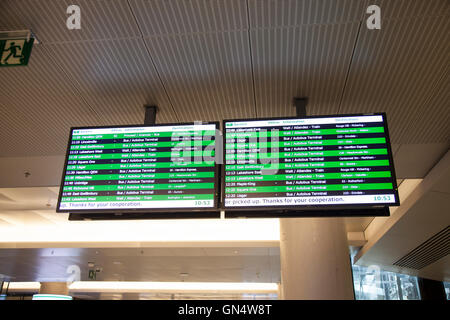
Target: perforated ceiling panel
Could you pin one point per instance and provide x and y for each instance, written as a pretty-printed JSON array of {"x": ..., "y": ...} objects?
[
  {"x": 295, "y": 13},
  {"x": 201, "y": 50},
  {"x": 309, "y": 61},
  {"x": 220, "y": 85},
  {"x": 301, "y": 49},
  {"x": 115, "y": 77},
  {"x": 99, "y": 75},
  {"x": 400, "y": 70},
  {"x": 38, "y": 105},
  {"x": 162, "y": 17},
  {"x": 100, "y": 19},
  {"x": 215, "y": 59}
]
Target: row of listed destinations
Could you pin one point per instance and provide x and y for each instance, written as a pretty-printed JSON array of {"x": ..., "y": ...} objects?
[
  {"x": 270, "y": 162},
  {"x": 140, "y": 167},
  {"x": 325, "y": 160}
]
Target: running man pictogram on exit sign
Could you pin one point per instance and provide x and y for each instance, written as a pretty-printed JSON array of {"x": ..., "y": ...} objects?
[{"x": 15, "y": 52}]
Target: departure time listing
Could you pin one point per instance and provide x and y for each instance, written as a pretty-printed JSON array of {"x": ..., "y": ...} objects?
[
  {"x": 140, "y": 167},
  {"x": 311, "y": 161}
]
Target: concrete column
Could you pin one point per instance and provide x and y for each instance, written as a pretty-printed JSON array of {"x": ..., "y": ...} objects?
[
  {"x": 58, "y": 288},
  {"x": 315, "y": 260}
]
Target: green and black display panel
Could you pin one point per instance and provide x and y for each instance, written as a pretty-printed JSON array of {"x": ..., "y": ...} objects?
[
  {"x": 326, "y": 161},
  {"x": 144, "y": 168}
]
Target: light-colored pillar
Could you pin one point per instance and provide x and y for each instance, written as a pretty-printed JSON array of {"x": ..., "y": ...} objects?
[
  {"x": 57, "y": 288},
  {"x": 315, "y": 260}
]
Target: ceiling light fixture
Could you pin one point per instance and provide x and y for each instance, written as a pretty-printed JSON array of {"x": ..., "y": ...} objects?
[
  {"x": 24, "y": 287},
  {"x": 229, "y": 233},
  {"x": 172, "y": 287}
]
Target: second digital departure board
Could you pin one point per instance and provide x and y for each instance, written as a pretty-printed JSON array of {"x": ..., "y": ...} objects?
[
  {"x": 313, "y": 161},
  {"x": 156, "y": 167}
]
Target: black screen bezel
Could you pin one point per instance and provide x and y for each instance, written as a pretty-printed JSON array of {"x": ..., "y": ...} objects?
[
  {"x": 310, "y": 210},
  {"x": 176, "y": 212}
]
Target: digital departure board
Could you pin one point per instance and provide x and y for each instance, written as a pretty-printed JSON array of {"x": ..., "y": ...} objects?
[
  {"x": 310, "y": 162},
  {"x": 158, "y": 167}
]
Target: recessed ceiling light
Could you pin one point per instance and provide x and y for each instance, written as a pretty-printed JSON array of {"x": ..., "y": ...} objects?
[
  {"x": 154, "y": 231},
  {"x": 24, "y": 286},
  {"x": 172, "y": 287}
]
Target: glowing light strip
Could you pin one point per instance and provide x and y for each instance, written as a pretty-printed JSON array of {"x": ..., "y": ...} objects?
[
  {"x": 24, "y": 287},
  {"x": 51, "y": 297},
  {"x": 172, "y": 287},
  {"x": 81, "y": 234}
]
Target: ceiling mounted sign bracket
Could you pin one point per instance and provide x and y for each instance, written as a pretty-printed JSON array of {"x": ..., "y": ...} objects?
[
  {"x": 300, "y": 106},
  {"x": 150, "y": 115},
  {"x": 15, "y": 47}
]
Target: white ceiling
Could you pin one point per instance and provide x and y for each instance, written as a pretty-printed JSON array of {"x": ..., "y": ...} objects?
[{"x": 209, "y": 60}]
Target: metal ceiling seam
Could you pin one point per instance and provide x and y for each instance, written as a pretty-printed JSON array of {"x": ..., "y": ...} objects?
[
  {"x": 251, "y": 59},
  {"x": 166, "y": 50},
  {"x": 399, "y": 72},
  {"x": 251, "y": 28},
  {"x": 401, "y": 86},
  {"x": 205, "y": 65},
  {"x": 349, "y": 67},
  {"x": 351, "y": 58},
  {"x": 90, "y": 40},
  {"x": 152, "y": 61},
  {"x": 222, "y": 63},
  {"x": 186, "y": 51}
]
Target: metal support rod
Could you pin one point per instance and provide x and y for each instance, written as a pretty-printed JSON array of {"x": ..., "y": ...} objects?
[
  {"x": 150, "y": 114},
  {"x": 300, "y": 105}
]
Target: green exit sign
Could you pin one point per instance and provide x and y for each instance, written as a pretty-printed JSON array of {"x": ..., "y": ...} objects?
[
  {"x": 92, "y": 274},
  {"x": 15, "y": 52}
]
